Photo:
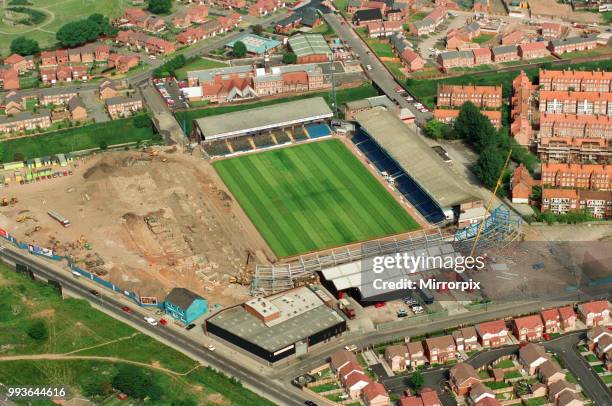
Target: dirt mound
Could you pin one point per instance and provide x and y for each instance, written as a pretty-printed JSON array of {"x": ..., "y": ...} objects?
[{"x": 99, "y": 170}]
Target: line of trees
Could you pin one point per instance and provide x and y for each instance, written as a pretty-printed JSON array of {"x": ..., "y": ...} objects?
[
  {"x": 169, "y": 68},
  {"x": 492, "y": 145}
]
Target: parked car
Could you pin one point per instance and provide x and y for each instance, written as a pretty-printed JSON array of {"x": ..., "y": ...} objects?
[
  {"x": 163, "y": 322},
  {"x": 369, "y": 67},
  {"x": 379, "y": 304},
  {"x": 126, "y": 309},
  {"x": 94, "y": 292},
  {"x": 211, "y": 347},
  {"x": 189, "y": 327},
  {"x": 151, "y": 321},
  {"x": 402, "y": 313}
]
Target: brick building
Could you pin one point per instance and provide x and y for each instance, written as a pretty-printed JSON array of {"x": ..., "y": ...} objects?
[
  {"x": 505, "y": 53},
  {"x": 565, "y": 80},
  {"x": 598, "y": 203},
  {"x": 574, "y": 150},
  {"x": 449, "y": 116},
  {"x": 25, "y": 121},
  {"x": 571, "y": 125},
  {"x": 481, "y": 96},
  {"x": 533, "y": 50},
  {"x": 587, "y": 103},
  {"x": 561, "y": 46},
  {"x": 118, "y": 107},
  {"x": 455, "y": 59},
  {"x": 580, "y": 176},
  {"x": 521, "y": 112}
]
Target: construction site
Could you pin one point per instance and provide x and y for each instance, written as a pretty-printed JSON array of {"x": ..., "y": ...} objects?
[{"x": 145, "y": 221}]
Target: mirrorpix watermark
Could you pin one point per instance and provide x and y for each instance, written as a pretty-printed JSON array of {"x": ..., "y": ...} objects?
[{"x": 408, "y": 271}]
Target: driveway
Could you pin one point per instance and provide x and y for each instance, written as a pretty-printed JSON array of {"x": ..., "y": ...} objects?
[{"x": 95, "y": 106}]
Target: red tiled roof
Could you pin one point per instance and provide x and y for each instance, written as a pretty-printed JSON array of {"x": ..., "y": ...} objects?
[
  {"x": 570, "y": 74},
  {"x": 13, "y": 59},
  {"x": 559, "y": 193},
  {"x": 550, "y": 315},
  {"x": 355, "y": 378},
  {"x": 429, "y": 397},
  {"x": 481, "y": 52},
  {"x": 528, "y": 322},
  {"x": 566, "y": 312},
  {"x": 491, "y": 327},
  {"x": 410, "y": 401},
  {"x": 532, "y": 46},
  {"x": 595, "y": 306},
  {"x": 373, "y": 390}
]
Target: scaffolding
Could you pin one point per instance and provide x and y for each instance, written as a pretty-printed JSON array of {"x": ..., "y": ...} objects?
[{"x": 501, "y": 227}]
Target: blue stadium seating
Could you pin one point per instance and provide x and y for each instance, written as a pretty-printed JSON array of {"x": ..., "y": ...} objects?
[{"x": 318, "y": 130}]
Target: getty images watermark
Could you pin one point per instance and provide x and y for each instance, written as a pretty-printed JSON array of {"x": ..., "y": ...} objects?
[{"x": 409, "y": 271}]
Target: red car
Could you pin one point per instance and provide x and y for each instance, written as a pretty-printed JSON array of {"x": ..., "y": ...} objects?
[
  {"x": 379, "y": 304},
  {"x": 163, "y": 322},
  {"x": 126, "y": 309},
  {"x": 546, "y": 336}
]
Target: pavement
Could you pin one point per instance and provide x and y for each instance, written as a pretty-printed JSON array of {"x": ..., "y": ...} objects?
[
  {"x": 95, "y": 106},
  {"x": 379, "y": 73}
]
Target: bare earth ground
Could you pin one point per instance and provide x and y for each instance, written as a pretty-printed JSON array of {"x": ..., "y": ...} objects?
[
  {"x": 550, "y": 8},
  {"x": 152, "y": 225}
]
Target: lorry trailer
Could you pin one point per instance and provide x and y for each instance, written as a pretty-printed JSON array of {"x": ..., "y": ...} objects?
[{"x": 59, "y": 218}]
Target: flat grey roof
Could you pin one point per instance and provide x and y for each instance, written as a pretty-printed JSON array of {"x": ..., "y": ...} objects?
[
  {"x": 239, "y": 322},
  {"x": 263, "y": 118},
  {"x": 416, "y": 157}
]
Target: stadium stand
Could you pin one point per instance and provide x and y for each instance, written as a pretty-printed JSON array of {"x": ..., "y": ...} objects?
[
  {"x": 318, "y": 130},
  {"x": 299, "y": 134},
  {"x": 281, "y": 137},
  {"x": 263, "y": 140},
  {"x": 241, "y": 144},
  {"x": 216, "y": 148}
]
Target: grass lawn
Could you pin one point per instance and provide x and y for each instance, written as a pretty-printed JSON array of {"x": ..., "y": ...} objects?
[
  {"x": 599, "y": 369},
  {"x": 396, "y": 70},
  {"x": 324, "y": 388},
  {"x": 497, "y": 385},
  {"x": 341, "y": 4},
  {"x": 512, "y": 374},
  {"x": 425, "y": 89},
  {"x": 417, "y": 16},
  {"x": 536, "y": 401},
  {"x": 381, "y": 48},
  {"x": 591, "y": 358},
  {"x": 323, "y": 29},
  {"x": 482, "y": 38},
  {"x": 507, "y": 363},
  {"x": 312, "y": 196},
  {"x": 570, "y": 378},
  {"x": 607, "y": 379},
  {"x": 74, "y": 325},
  {"x": 28, "y": 82},
  {"x": 198, "y": 64},
  {"x": 484, "y": 374},
  {"x": 343, "y": 96},
  {"x": 591, "y": 52},
  {"x": 74, "y": 139},
  {"x": 59, "y": 12}
]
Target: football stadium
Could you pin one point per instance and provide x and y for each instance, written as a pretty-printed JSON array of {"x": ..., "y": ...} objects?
[{"x": 312, "y": 196}]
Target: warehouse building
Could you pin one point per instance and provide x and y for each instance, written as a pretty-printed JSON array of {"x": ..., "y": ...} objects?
[
  {"x": 278, "y": 326},
  {"x": 310, "y": 48},
  {"x": 262, "y": 119}
]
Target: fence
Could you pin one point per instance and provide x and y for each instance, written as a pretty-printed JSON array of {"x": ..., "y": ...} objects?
[{"x": 49, "y": 254}]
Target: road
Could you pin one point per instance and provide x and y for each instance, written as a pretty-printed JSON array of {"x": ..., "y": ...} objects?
[
  {"x": 379, "y": 73},
  {"x": 284, "y": 395}
]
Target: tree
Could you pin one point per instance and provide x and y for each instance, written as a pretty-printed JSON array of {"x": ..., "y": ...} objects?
[
  {"x": 257, "y": 29},
  {"x": 437, "y": 130},
  {"x": 239, "y": 50},
  {"x": 160, "y": 6},
  {"x": 134, "y": 382},
  {"x": 289, "y": 58},
  {"x": 103, "y": 145},
  {"x": 24, "y": 46},
  {"x": 96, "y": 385},
  {"x": 38, "y": 330},
  {"x": 417, "y": 380},
  {"x": 77, "y": 33},
  {"x": 489, "y": 166}
]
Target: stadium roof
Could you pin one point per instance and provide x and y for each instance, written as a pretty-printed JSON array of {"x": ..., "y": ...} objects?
[
  {"x": 311, "y": 44},
  {"x": 415, "y": 157},
  {"x": 262, "y": 118},
  {"x": 291, "y": 329}
]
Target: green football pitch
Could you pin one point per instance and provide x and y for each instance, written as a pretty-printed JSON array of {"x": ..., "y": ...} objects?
[{"x": 312, "y": 196}]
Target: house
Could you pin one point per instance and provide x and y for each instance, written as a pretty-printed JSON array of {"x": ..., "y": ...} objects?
[
  {"x": 77, "y": 109},
  {"x": 59, "y": 115},
  {"x": 462, "y": 377},
  {"x": 362, "y": 17},
  {"x": 416, "y": 354},
  {"x": 482, "y": 56},
  {"x": 568, "y": 318},
  {"x": 551, "y": 320},
  {"x": 396, "y": 355},
  {"x": 594, "y": 313},
  {"x": 428, "y": 397},
  {"x": 492, "y": 333},
  {"x": 56, "y": 96},
  {"x": 557, "y": 388},
  {"x": 570, "y": 125},
  {"x": 9, "y": 78},
  {"x": 479, "y": 392},
  {"x": 454, "y": 59},
  {"x": 190, "y": 15},
  {"x": 440, "y": 349},
  {"x": 411, "y": 60},
  {"x": 528, "y": 328},
  {"x": 339, "y": 359},
  {"x": 569, "y": 398},
  {"x": 551, "y": 30},
  {"x": 25, "y": 121},
  {"x": 533, "y": 50},
  {"x": 14, "y": 103},
  {"x": 481, "y": 96},
  {"x": 505, "y": 53},
  {"x": 18, "y": 62},
  {"x": 123, "y": 63},
  {"x": 424, "y": 27},
  {"x": 564, "y": 80},
  {"x": 122, "y": 106},
  {"x": 549, "y": 372},
  {"x": 600, "y": 341},
  {"x": 375, "y": 394},
  {"x": 582, "y": 176},
  {"x": 531, "y": 356},
  {"x": 470, "y": 338},
  {"x": 513, "y": 38},
  {"x": 571, "y": 44},
  {"x": 521, "y": 185},
  {"x": 487, "y": 401},
  {"x": 354, "y": 383},
  {"x": 107, "y": 90},
  {"x": 184, "y": 305},
  {"x": 383, "y": 29},
  {"x": 449, "y": 116}
]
